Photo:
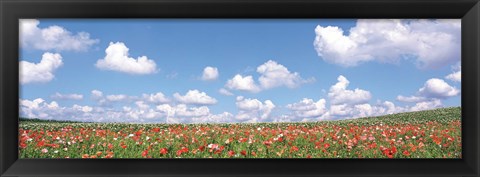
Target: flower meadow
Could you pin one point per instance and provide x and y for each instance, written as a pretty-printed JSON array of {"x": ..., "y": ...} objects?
[{"x": 424, "y": 134}]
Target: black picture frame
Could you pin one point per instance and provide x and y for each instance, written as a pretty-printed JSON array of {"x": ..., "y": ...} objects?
[{"x": 12, "y": 10}]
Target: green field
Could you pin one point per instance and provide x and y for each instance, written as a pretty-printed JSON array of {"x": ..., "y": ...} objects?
[{"x": 424, "y": 134}]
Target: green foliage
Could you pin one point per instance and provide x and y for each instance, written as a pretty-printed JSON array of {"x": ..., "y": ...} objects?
[{"x": 424, "y": 134}]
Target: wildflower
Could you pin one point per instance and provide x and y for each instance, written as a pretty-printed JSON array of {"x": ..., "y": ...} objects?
[
  {"x": 182, "y": 150},
  {"x": 267, "y": 143},
  {"x": 244, "y": 153},
  {"x": 145, "y": 153},
  {"x": 163, "y": 151},
  {"x": 326, "y": 145},
  {"x": 23, "y": 145},
  {"x": 294, "y": 149}
]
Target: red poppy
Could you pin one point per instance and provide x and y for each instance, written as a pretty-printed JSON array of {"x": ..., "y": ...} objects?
[
  {"x": 294, "y": 149},
  {"x": 156, "y": 130},
  {"x": 231, "y": 153},
  {"x": 389, "y": 152},
  {"x": 242, "y": 140},
  {"x": 219, "y": 150},
  {"x": 267, "y": 143},
  {"x": 139, "y": 133},
  {"x": 394, "y": 149},
  {"x": 163, "y": 151},
  {"x": 145, "y": 153},
  {"x": 23, "y": 145},
  {"x": 41, "y": 143},
  {"x": 181, "y": 151},
  {"x": 244, "y": 153},
  {"x": 326, "y": 145}
]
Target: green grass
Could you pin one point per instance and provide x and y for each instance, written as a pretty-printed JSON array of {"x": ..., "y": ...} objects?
[{"x": 437, "y": 134}]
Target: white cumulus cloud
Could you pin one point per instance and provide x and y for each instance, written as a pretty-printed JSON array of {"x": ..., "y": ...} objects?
[
  {"x": 116, "y": 98},
  {"x": 117, "y": 59},
  {"x": 456, "y": 76},
  {"x": 272, "y": 74},
  {"x": 253, "y": 110},
  {"x": 155, "y": 98},
  {"x": 40, "y": 72},
  {"x": 426, "y": 105},
  {"x": 52, "y": 37},
  {"x": 72, "y": 96},
  {"x": 210, "y": 73},
  {"x": 411, "y": 99},
  {"x": 225, "y": 92},
  {"x": 238, "y": 82},
  {"x": 181, "y": 113},
  {"x": 195, "y": 97},
  {"x": 437, "y": 88},
  {"x": 307, "y": 108},
  {"x": 339, "y": 94},
  {"x": 224, "y": 117},
  {"x": 85, "y": 109},
  {"x": 391, "y": 40},
  {"x": 96, "y": 94},
  {"x": 275, "y": 75},
  {"x": 432, "y": 92}
]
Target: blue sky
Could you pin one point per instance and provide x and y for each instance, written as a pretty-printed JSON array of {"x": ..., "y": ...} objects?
[{"x": 412, "y": 64}]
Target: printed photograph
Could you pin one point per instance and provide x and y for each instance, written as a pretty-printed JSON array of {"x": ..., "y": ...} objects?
[{"x": 240, "y": 88}]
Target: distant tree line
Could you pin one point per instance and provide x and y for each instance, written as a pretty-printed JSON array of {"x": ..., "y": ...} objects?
[{"x": 24, "y": 119}]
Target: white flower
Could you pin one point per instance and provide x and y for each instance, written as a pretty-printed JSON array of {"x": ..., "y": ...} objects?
[
  {"x": 131, "y": 135},
  {"x": 56, "y": 151}
]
